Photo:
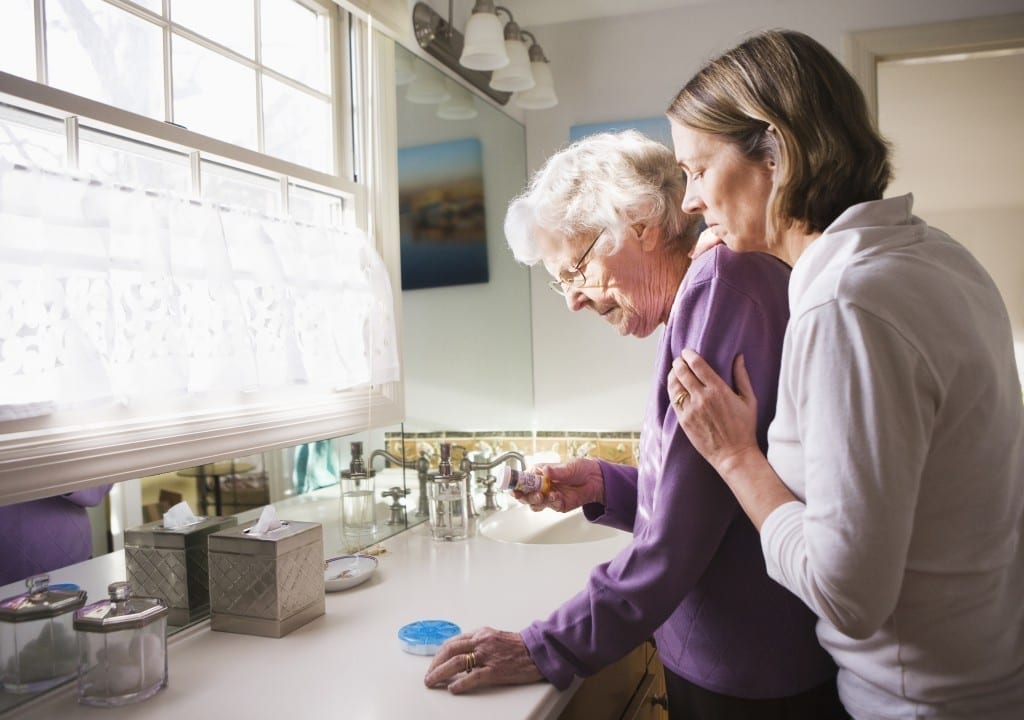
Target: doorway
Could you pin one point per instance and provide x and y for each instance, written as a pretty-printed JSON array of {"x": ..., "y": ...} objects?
[{"x": 950, "y": 99}]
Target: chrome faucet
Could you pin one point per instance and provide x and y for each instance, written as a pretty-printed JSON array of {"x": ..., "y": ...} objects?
[
  {"x": 469, "y": 466},
  {"x": 422, "y": 467},
  {"x": 397, "y": 494}
]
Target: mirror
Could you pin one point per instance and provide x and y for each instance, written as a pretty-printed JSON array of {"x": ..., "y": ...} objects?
[
  {"x": 467, "y": 351},
  {"x": 301, "y": 482}
]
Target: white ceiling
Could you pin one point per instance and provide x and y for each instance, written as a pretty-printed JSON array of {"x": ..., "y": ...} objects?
[{"x": 543, "y": 12}]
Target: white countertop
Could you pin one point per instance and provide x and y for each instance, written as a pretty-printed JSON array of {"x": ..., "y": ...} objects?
[{"x": 349, "y": 663}]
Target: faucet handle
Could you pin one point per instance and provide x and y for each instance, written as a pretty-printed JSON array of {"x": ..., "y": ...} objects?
[
  {"x": 444, "y": 465},
  {"x": 396, "y": 494}
]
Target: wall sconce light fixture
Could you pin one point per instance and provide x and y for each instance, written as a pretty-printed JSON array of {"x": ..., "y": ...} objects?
[{"x": 494, "y": 59}]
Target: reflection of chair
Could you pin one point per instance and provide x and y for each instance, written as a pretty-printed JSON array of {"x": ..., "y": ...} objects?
[
  {"x": 241, "y": 491},
  {"x": 155, "y": 511},
  {"x": 211, "y": 476}
]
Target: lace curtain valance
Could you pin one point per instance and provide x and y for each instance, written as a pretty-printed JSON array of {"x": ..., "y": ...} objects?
[{"x": 112, "y": 295}]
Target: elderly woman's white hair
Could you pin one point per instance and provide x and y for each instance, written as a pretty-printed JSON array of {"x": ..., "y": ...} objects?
[{"x": 605, "y": 182}]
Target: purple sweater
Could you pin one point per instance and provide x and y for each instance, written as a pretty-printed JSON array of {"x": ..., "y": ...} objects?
[
  {"x": 694, "y": 574},
  {"x": 42, "y": 535}
]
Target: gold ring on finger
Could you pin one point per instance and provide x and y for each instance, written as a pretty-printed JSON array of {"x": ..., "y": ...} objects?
[{"x": 680, "y": 399}]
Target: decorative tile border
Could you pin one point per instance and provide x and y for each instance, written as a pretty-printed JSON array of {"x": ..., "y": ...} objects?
[{"x": 617, "y": 447}]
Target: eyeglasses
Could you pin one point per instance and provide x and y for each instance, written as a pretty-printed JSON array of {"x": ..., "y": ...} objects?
[{"x": 574, "y": 278}]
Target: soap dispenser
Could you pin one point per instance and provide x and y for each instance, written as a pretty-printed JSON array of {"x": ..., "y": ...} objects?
[
  {"x": 446, "y": 491},
  {"x": 358, "y": 506}
]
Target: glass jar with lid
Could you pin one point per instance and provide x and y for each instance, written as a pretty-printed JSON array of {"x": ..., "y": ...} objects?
[
  {"x": 123, "y": 648},
  {"x": 37, "y": 641}
]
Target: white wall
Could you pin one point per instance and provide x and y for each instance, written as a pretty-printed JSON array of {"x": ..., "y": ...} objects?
[{"x": 585, "y": 375}]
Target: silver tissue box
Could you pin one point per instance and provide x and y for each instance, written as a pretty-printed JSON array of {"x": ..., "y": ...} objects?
[
  {"x": 171, "y": 564},
  {"x": 266, "y": 585}
]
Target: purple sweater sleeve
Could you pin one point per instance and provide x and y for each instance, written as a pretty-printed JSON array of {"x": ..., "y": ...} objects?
[
  {"x": 89, "y": 497},
  {"x": 680, "y": 509},
  {"x": 620, "y": 493}
]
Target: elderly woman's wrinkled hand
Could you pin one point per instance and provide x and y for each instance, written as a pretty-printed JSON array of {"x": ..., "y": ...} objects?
[
  {"x": 720, "y": 423},
  {"x": 481, "y": 659},
  {"x": 572, "y": 485}
]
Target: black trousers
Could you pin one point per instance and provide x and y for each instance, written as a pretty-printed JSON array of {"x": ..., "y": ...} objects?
[{"x": 687, "y": 701}]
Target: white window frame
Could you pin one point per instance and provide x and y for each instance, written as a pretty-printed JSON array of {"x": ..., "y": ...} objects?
[{"x": 72, "y": 450}]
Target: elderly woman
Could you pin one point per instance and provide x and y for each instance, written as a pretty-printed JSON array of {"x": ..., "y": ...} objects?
[
  {"x": 604, "y": 218},
  {"x": 892, "y": 496}
]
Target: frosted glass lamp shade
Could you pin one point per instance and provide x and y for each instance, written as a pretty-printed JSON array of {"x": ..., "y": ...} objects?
[
  {"x": 404, "y": 74},
  {"x": 427, "y": 89},
  {"x": 542, "y": 95},
  {"x": 459, "y": 106},
  {"x": 484, "y": 48},
  {"x": 517, "y": 75}
]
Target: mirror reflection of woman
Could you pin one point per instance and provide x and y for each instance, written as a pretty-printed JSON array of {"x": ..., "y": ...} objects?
[
  {"x": 891, "y": 499},
  {"x": 39, "y": 536},
  {"x": 604, "y": 218}
]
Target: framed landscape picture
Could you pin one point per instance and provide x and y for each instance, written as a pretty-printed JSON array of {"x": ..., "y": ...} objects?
[{"x": 441, "y": 213}]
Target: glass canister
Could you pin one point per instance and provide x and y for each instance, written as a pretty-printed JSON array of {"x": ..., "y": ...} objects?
[
  {"x": 446, "y": 492},
  {"x": 123, "y": 648},
  {"x": 37, "y": 640}
]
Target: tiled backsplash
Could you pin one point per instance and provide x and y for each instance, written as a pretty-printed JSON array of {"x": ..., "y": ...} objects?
[{"x": 618, "y": 447}]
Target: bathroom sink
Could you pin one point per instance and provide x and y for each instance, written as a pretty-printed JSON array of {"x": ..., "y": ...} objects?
[{"x": 520, "y": 524}]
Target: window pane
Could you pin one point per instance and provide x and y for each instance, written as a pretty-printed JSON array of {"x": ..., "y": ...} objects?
[
  {"x": 96, "y": 50},
  {"x": 297, "y": 126},
  {"x": 124, "y": 162},
  {"x": 295, "y": 42},
  {"x": 156, "y": 6},
  {"x": 314, "y": 207},
  {"x": 214, "y": 95},
  {"x": 238, "y": 188},
  {"x": 228, "y": 22},
  {"x": 18, "y": 39},
  {"x": 30, "y": 139}
]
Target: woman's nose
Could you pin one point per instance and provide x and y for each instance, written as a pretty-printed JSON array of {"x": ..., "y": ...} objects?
[
  {"x": 575, "y": 299},
  {"x": 692, "y": 203}
]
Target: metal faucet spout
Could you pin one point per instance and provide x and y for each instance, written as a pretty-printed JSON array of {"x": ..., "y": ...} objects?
[{"x": 420, "y": 464}]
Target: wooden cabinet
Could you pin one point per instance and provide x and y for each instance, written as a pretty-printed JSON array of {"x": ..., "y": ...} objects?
[{"x": 631, "y": 689}]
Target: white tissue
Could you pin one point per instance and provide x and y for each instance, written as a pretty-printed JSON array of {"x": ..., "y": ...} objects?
[
  {"x": 179, "y": 516},
  {"x": 268, "y": 522}
]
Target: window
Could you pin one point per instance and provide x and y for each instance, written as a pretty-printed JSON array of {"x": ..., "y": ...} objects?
[{"x": 134, "y": 121}]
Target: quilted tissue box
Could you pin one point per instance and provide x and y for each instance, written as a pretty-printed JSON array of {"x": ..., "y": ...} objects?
[
  {"x": 171, "y": 564},
  {"x": 266, "y": 584}
]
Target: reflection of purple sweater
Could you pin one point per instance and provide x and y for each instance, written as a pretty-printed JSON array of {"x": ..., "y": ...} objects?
[
  {"x": 693, "y": 574},
  {"x": 42, "y": 535}
]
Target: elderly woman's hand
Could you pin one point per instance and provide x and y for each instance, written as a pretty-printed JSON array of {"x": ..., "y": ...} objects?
[
  {"x": 721, "y": 424},
  {"x": 572, "y": 485},
  {"x": 480, "y": 659}
]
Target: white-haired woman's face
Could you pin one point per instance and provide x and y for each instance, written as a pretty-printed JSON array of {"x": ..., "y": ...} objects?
[
  {"x": 631, "y": 289},
  {"x": 728, "y": 189}
]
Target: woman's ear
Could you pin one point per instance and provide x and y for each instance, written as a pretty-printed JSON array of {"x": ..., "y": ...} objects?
[{"x": 646, "y": 234}]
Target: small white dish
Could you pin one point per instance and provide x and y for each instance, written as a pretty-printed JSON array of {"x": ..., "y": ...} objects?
[{"x": 347, "y": 571}]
